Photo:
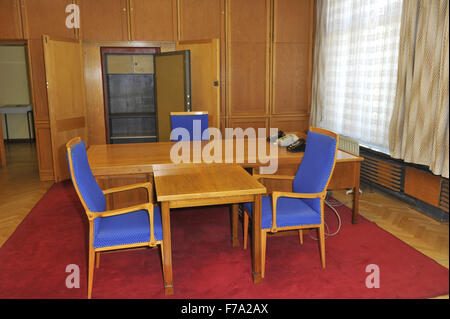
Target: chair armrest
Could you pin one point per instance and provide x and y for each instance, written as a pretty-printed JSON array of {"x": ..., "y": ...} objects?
[
  {"x": 299, "y": 195},
  {"x": 125, "y": 210},
  {"x": 285, "y": 177},
  {"x": 146, "y": 185},
  {"x": 276, "y": 195},
  {"x": 148, "y": 207}
]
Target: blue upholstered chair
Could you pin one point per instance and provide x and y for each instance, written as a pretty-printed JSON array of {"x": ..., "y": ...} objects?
[
  {"x": 135, "y": 226},
  {"x": 303, "y": 208},
  {"x": 186, "y": 120}
]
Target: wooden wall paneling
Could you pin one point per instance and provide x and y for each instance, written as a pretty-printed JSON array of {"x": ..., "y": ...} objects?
[
  {"x": 291, "y": 124},
  {"x": 105, "y": 20},
  {"x": 95, "y": 105},
  {"x": 248, "y": 57},
  {"x": 422, "y": 185},
  {"x": 46, "y": 17},
  {"x": 153, "y": 20},
  {"x": 10, "y": 19},
  {"x": 199, "y": 19},
  {"x": 292, "y": 56},
  {"x": 246, "y": 122},
  {"x": 223, "y": 61}
]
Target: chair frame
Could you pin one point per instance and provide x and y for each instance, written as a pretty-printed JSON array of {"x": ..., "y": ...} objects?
[
  {"x": 94, "y": 253},
  {"x": 276, "y": 194}
]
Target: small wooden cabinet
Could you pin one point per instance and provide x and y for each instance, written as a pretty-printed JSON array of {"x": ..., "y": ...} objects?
[
  {"x": 10, "y": 20},
  {"x": 46, "y": 17},
  {"x": 103, "y": 20},
  {"x": 153, "y": 20}
]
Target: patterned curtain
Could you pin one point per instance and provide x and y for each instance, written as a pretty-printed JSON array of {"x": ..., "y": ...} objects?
[
  {"x": 420, "y": 120},
  {"x": 355, "y": 68}
]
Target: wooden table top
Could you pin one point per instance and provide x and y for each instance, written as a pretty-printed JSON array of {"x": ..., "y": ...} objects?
[
  {"x": 212, "y": 181},
  {"x": 116, "y": 159}
]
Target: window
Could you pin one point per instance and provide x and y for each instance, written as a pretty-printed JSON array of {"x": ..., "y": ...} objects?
[{"x": 356, "y": 68}]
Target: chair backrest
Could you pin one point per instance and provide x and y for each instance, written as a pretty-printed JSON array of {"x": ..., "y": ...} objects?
[
  {"x": 315, "y": 170},
  {"x": 186, "y": 120},
  {"x": 90, "y": 194}
]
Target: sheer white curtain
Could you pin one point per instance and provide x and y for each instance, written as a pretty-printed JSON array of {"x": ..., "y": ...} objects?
[{"x": 355, "y": 68}]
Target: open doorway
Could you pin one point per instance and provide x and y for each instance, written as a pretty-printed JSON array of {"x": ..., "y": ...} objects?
[{"x": 17, "y": 143}]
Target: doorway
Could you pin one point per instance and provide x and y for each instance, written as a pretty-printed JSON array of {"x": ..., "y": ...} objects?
[
  {"x": 16, "y": 109},
  {"x": 141, "y": 86}
]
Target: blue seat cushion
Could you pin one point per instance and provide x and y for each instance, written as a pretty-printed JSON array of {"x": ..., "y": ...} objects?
[
  {"x": 125, "y": 229},
  {"x": 290, "y": 212}
]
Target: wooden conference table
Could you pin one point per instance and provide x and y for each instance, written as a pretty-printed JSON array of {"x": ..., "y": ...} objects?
[
  {"x": 205, "y": 186},
  {"x": 115, "y": 165}
]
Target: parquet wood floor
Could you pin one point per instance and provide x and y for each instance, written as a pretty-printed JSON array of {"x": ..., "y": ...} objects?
[
  {"x": 401, "y": 220},
  {"x": 21, "y": 189}
]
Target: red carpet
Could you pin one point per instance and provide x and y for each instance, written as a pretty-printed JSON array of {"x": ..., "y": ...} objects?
[{"x": 33, "y": 261}]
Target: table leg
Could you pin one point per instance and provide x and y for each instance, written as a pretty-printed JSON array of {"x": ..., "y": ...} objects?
[
  {"x": 167, "y": 249},
  {"x": 29, "y": 128},
  {"x": 6, "y": 127},
  {"x": 234, "y": 225},
  {"x": 256, "y": 233},
  {"x": 356, "y": 194}
]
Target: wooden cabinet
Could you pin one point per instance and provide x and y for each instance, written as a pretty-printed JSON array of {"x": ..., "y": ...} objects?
[
  {"x": 10, "y": 20},
  {"x": 128, "y": 20},
  {"x": 292, "y": 56},
  {"x": 248, "y": 57},
  {"x": 153, "y": 20},
  {"x": 199, "y": 19},
  {"x": 269, "y": 62},
  {"x": 103, "y": 20},
  {"x": 46, "y": 17}
]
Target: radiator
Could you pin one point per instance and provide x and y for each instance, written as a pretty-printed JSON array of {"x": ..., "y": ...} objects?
[
  {"x": 443, "y": 196},
  {"x": 348, "y": 145}
]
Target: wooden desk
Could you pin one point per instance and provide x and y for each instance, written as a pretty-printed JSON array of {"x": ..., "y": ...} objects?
[
  {"x": 118, "y": 164},
  {"x": 204, "y": 186}
]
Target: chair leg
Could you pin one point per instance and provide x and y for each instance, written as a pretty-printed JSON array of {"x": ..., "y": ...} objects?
[
  {"x": 91, "y": 271},
  {"x": 263, "y": 252},
  {"x": 300, "y": 236},
  {"x": 322, "y": 244},
  {"x": 97, "y": 259},
  {"x": 245, "y": 229}
]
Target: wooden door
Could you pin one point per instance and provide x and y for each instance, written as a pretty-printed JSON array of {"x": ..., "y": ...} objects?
[
  {"x": 205, "y": 77},
  {"x": 153, "y": 20},
  {"x": 104, "y": 20},
  {"x": 173, "y": 88},
  {"x": 66, "y": 98},
  {"x": 10, "y": 20}
]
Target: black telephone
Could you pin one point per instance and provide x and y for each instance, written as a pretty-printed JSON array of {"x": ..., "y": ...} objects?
[
  {"x": 298, "y": 146},
  {"x": 274, "y": 138}
]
